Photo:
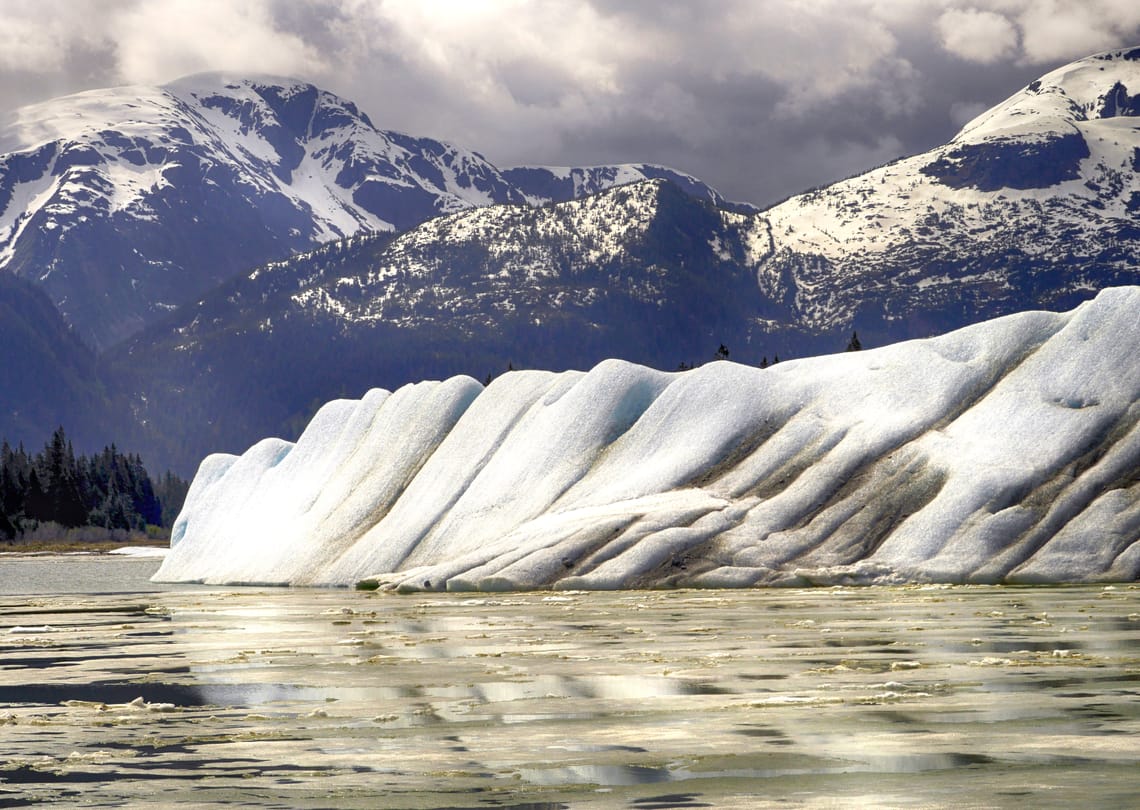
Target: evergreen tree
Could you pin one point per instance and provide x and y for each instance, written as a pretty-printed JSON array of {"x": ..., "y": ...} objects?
[
  {"x": 171, "y": 494},
  {"x": 854, "y": 345},
  {"x": 109, "y": 489},
  {"x": 61, "y": 482},
  {"x": 36, "y": 505},
  {"x": 12, "y": 484}
]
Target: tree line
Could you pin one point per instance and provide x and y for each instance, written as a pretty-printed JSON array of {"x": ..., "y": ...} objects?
[{"x": 109, "y": 489}]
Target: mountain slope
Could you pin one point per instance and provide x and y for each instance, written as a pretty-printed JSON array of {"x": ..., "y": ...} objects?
[
  {"x": 644, "y": 272},
  {"x": 126, "y": 203},
  {"x": 1034, "y": 203},
  {"x": 1004, "y": 452},
  {"x": 48, "y": 377}
]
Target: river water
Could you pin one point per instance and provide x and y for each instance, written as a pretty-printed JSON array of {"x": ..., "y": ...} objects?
[{"x": 128, "y": 694}]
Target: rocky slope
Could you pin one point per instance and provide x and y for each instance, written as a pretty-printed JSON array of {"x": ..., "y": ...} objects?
[{"x": 643, "y": 272}]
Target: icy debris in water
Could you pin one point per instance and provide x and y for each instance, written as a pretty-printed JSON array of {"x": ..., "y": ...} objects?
[
  {"x": 899, "y": 665},
  {"x": 992, "y": 662},
  {"x": 892, "y": 696},
  {"x": 85, "y": 704},
  {"x": 140, "y": 703},
  {"x": 830, "y": 670},
  {"x": 893, "y": 686},
  {"x": 31, "y": 641},
  {"x": 1065, "y": 654},
  {"x": 76, "y": 757},
  {"x": 29, "y": 629},
  {"x": 792, "y": 700}
]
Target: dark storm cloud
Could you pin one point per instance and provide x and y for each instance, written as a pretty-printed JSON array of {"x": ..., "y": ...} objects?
[{"x": 761, "y": 98}]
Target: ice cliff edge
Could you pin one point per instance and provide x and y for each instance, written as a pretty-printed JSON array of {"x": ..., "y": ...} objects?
[{"x": 1004, "y": 452}]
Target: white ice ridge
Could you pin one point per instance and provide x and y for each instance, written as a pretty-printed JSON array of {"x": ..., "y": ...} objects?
[{"x": 1004, "y": 452}]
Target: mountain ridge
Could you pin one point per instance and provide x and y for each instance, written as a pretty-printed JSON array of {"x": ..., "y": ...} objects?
[{"x": 115, "y": 200}]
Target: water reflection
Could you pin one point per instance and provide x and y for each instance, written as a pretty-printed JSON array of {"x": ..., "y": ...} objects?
[{"x": 285, "y": 698}]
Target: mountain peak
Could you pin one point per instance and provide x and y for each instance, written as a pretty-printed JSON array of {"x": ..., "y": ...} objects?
[
  {"x": 1099, "y": 87},
  {"x": 216, "y": 81}
]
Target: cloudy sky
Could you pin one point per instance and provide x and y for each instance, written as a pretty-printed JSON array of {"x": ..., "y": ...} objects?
[{"x": 760, "y": 98}]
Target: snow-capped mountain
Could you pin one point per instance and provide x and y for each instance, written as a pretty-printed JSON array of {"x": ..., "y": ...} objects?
[
  {"x": 1004, "y": 452},
  {"x": 547, "y": 183},
  {"x": 126, "y": 203},
  {"x": 1033, "y": 203}
]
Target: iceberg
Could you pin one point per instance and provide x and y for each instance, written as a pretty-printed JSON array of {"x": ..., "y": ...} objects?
[{"x": 1005, "y": 452}]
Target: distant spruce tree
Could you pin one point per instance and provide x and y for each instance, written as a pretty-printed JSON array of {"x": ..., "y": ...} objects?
[
  {"x": 110, "y": 490},
  {"x": 854, "y": 345}
]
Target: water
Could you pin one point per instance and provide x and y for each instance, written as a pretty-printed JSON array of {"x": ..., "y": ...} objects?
[
  {"x": 887, "y": 697},
  {"x": 76, "y": 573}
]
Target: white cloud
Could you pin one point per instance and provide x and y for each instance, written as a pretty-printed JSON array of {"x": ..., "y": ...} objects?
[
  {"x": 977, "y": 36},
  {"x": 1057, "y": 30},
  {"x": 706, "y": 87},
  {"x": 37, "y": 35},
  {"x": 158, "y": 41},
  {"x": 963, "y": 112}
]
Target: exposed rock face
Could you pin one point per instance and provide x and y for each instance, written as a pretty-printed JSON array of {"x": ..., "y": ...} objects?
[{"x": 1004, "y": 452}]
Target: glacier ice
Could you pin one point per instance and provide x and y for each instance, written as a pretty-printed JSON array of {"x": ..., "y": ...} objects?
[{"x": 1008, "y": 451}]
